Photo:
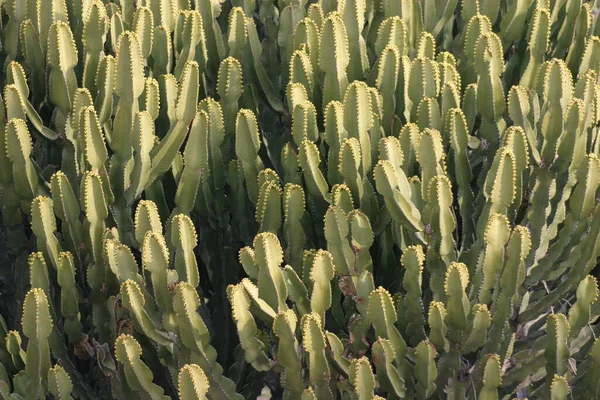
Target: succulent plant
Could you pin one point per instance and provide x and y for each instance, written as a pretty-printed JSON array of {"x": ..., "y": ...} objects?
[{"x": 328, "y": 199}]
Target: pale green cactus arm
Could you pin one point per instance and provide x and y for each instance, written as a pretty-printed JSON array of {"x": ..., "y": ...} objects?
[
  {"x": 458, "y": 307},
  {"x": 296, "y": 289},
  {"x": 142, "y": 140},
  {"x": 62, "y": 59},
  {"x": 358, "y": 120},
  {"x": 268, "y": 207},
  {"x": 212, "y": 30},
  {"x": 489, "y": 266},
  {"x": 430, "y": 156},
  {"x": 296, "y": 94},
  {"x": 310, "y": 159},
  {"x": 423, "y": 82},
  {"x": 383, "y": 315},
  {"x": 247, "y": 144},
  {"x": 335, "y": 133},
  {"x": 425, "y": 369},
  {"x": 116, "y": 26},
  {"x": 165, "y": 152},
  {"x": 429, "y": 114},
  {"x": 457, "y": 135},
  {"x": 19, "y": 149},
  {"x": 438, "y": 329},
  {"x": 334, "y": 57},
  {"x": 229, "y": 88},
  {"x": 195, "y": 162},
  {"x": 259, "y": 307},
  {"x": 288, "y": 352},
  {"x": 38, "y": 272},
  {"x": 362, "y": 378},
  {"x": 82, "y": 98},
  {"x": 146, "y": 219},
  {"x": 413, "y": 259},
  {"x": 521, "y": 112},
  {"x": 129, "y": 85},
  {"x": 301, "y": 72},
  {"x": 392, "y": 184},
  {"x": 192, "y": 382},
  {"x": 184, "y": 240},
  {"x": 69, "y": 296},
  {"x": 162, "y": 51},
  {"x": 13, "y": 346},
  {"x": 15, "y": 75},
  {"x": 134, "y": 301},
  {"x": 321, "y": 274},
  {"x": 307, "y": 38},
  {"x": 304, "y": 123},
  {"x": 261, "y": 79},
  {"x": 150, "y": 100},
  {"x": 293, "y": 232},
  {"x": 94, "y": 146},
  {"x": 164, "y": 13},
  {"x": 195, "y": 336},
  {"x": 436, "y": 14},
  {"x": 314, "y": 343},
  {"x": 583, "y": 28},
  {"x": 121, "y": 261},
  {"x": 66, "y": 207},
  {"x": 512, "y": 278},
  {"x": 392, "y": 31},
  {"x": 37, "y": 327},
  {"x": 104, "y": 82},
  {"x": 95, "y": 28},
  {"x": 15, "y": 107},
  {"x": 337, "y": 350},
  {"x": 254, "y": 349},
  {"x": 439, "y": 217},
  {"x": 155, "y": 259},
  {"x": 500, "y": 187},
  {"x": 237, "y": 35},
  {"x": 476, "y": 333},
  {"x": 491, "y": 103},
  {"x": 387, "y": 375},
  {"x": 557, "y": 346},
  {"x": 193, "y": 42},
  {"x": 336, "y": 232},
  {"x": 59, "y": 383},
  {"x": 579, "y": 314},
  {"x": 342, "y": 197},
  {"x": 268, "y": 256},
  {"x": 350, "y": 167},
  {"x": 95, "y": 206},
  {"x": 353, "y": 13},
  {"x": 559, "y": 388},
  {"x": 215, "y": 138},
  {"x": 43, "y": 225},
  {"x": 289, "y": 16},
  {"x": 538, "y": 37},
  {"x": 555, "y": 86},
  {"x": 512, "y": 24},
  {"x": 361, "y": 240},
  {"x": 492, "y": 378},
  {"x": 139, "y": 377}
]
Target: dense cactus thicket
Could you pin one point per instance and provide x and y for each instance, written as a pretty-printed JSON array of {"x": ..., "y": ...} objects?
[{"x": 333, "y": 199}]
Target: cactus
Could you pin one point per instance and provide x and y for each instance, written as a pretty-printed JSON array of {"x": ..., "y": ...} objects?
[{"x": 334, "y": 199}]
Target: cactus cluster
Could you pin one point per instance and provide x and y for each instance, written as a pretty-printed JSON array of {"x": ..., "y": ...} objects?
[{"x": 332, "y": 199}]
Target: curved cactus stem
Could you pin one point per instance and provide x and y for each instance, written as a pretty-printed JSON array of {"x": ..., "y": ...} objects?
[{"x": 140, "y": 378}]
